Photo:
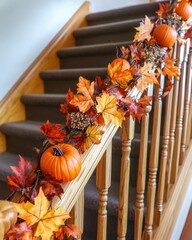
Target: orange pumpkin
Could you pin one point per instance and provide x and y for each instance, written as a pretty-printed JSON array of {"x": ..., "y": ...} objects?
[
  {"x": 61, "y": 161},
  {"x": 165, "y": 35},
  {"x": 184, "y": 10},
  {"x": 124, "y": 62},
  {"x": 8, "y": 216}
]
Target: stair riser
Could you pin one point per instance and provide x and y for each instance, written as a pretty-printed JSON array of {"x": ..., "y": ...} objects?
[
  {"x": 61, "y": 85},
  {"x": 23, "y": 145},
  {"x": 132, "y": 12},
  {"x": 127, "y": 35},
  {"x": 44, "y": 113},
  {"x": 101, "y": 60}
]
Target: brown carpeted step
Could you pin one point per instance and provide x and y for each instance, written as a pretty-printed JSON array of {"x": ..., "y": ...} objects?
[
  {"x": 59, "y": 81},
  {"x": 89, "y": 56},
  {"x": 107, "y": 33},
  {"x": 22, "y": 137},
  {"x": 115, "y": 15},
  {"x": 43, "y": 107}
]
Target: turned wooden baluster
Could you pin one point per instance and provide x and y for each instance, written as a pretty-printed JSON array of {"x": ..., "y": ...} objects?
[
  {"x": 127, "y": 134},
  {"x": 141, "y": 175},
  {"x": 179, "y": 118},
  {"x": 153, "y": 161},
  {"x": 189, "y": 126},
  {"x": 163, "y": 160},
  {"x": 103, "y": 182},
  {"x": 173, "y": 118},
  {"x": 186, "y": 106},
  {"x": 77, "y": 213}
]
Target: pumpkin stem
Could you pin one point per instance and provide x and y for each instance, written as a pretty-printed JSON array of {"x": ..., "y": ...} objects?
[{"x": 57, "y": 151}]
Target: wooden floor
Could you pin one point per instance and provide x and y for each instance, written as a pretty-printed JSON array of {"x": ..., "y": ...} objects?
[{"x": 187, "y": 230}]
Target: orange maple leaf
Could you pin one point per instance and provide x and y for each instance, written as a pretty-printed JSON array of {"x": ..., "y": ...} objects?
[
  {"x": 69, "y": 230},
  {"x": 46, "y": 221},
  {"x": 144, "y": 30},
  {"x": 119, "y": 72},
  {"x": 107, "y": 105},
  {"x": 147, "y": 76},
  {"x": 169, "y": 69},
  {"x": 84, "y": 100}
]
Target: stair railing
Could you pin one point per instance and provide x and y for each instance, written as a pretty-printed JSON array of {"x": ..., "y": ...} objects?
[{"x": 162, "y": 161}]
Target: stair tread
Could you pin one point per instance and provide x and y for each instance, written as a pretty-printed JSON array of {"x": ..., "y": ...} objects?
[
  {"x": 22, "y": 127},
  {"x": 91, "y": 198},
  {"x": 71, "y": 73},
  {"x": 43, "y": 99},
  {"x": 90, "y": 49},
  {"x": 107, "y": 28},
  {"x": 131, "y": 11}
]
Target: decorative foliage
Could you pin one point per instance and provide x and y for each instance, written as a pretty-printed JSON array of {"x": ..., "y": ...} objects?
[
  {"x": 123, "y": 93},
  {"x": 42, "y": 220}
]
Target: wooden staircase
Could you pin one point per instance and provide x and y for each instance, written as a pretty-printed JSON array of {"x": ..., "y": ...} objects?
[{"x": 96, "y": 46}]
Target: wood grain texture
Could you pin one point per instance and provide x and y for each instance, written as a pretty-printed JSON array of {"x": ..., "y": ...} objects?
[
  {"x": 11, "y": 108},
  {"x": 183, "y": 56},
  {"x": 163, "y": 160},
  {"x": 153, "y": 161},
  {"x": 77, "y": 212},
  {"x": 103, "y": 182},
  {"x": 127, "y": 134},
  {"x": 171, "y": 133},
  {"x": 186, "y": 109},
  {"x": 176, "y": 198},
  {"x": 141, "y": 174}
]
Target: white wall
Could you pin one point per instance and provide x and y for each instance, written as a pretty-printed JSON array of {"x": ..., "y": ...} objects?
[{"x": 27, "y": 26}]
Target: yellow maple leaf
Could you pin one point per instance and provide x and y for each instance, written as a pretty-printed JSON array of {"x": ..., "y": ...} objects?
[
  {"x": 93, "y": 135},
  {"x": 107, "y": 105},
  {"x": 84, "y": 99},
  {"x": 47, "y": 221},
  {"x": 146, "y": 77},
  {"x": 169, "y": 69},
  {"x": 144, "y": 30}
]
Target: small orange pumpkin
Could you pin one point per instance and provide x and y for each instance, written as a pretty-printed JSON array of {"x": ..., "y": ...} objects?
[
  {"x": 184, "y": 10},
  {"x": 61, "y": 161},
  {"x": 165, "y": 35}
]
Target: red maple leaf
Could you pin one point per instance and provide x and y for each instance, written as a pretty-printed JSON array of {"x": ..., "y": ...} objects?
[
  {"x": 54, "y": 133},
  {"x": 132, "y": 108},
  {"x": 67, "y": 107},
  {"x": 20, "y": 232},
  {"x": 24, "y": 178},
  {"x": 50, "y": 186},
  {"x": 117, "y": 91},
  {"x": 99, "y": 85},
  {"x": 69, "y": 230},
  {"x": 164, "y": 9}
]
